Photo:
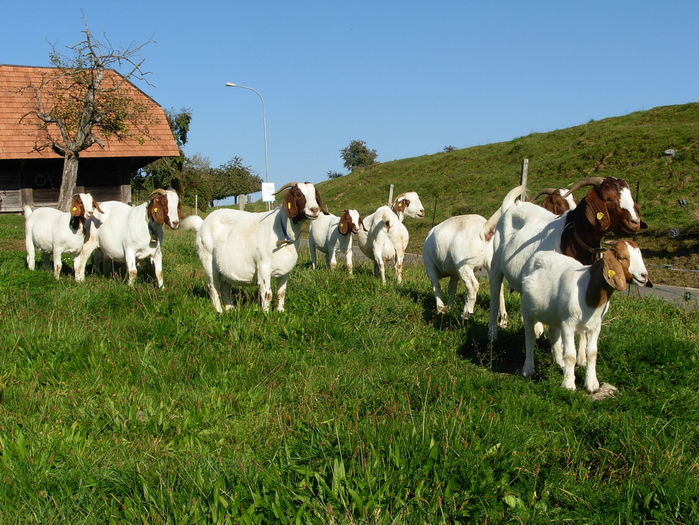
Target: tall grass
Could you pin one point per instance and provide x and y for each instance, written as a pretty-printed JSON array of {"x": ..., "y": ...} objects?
[{"x": 357, "y": 405}]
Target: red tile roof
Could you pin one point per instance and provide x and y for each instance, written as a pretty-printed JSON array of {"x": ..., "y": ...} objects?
[{"x": 18, "y": 140}]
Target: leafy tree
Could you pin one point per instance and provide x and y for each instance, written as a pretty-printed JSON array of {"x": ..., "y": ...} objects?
[
  {"x": 334, "y": 174},
  {"x": 358, "y": 155},
  {"x": 449, "y": 149},
  {"x": 81, "y": 103},
  {"x": 167, "y": 172},
  {"x": 233, "y": 179}
]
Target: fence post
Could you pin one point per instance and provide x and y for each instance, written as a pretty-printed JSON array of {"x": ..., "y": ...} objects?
[
  {"x": 390, "y": 194},
  {"x": 523, "y": 177},
  {"x": 241, "y": 201},
  {"x": 196, "y": 204}
]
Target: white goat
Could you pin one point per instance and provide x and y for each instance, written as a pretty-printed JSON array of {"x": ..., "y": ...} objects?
[
  {"x": 526, "y": 228},
  {"x": 457, "y": 248},
  {"x": 330, "y": 233},
  {"x": 572, "y": 299},
  {"x": 133, "y": 233},
  {"x": 383, "y": 237},
  {"x": 239, "y": 247},
  {"x": 56, "y": 232}
]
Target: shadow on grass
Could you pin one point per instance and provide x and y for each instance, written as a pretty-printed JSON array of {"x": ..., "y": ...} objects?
[{"x": 505, "y": 355}]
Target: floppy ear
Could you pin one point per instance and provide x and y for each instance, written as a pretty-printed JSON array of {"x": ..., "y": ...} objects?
[
  {"x": 401, "y": 204},
  {"x": 96, "y": 205},
  {"x": 596, "y": 210},
  {"x": 321, "y": 206},
  {"x": 612, "y": 271},
  {"x": 290, "y": 203},
  {"x": 343, "y": 226},
  {"x": 155, "y": 210},
  {"x": 76, "y": 207}
]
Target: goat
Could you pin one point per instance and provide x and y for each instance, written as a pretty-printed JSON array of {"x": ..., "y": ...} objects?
[
  {"x": 383, "y": 237},
  {"x": 239, "y": 247},
  {"x": 57, "y": 232},
  {"x": 573, "y": 299},
  {"x": 526, "y": 228},
  {"x": 330, "y": 233},
  {"x": 133, "y": 233},
  {"x": 459, "y": 246},
  {"x": 555, "y": 202}
]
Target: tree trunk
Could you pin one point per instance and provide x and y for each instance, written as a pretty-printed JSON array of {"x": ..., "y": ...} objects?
[{"x": 69, "y": 181}]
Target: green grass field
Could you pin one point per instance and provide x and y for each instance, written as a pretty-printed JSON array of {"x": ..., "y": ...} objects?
[{"x": 357, "y": 405}]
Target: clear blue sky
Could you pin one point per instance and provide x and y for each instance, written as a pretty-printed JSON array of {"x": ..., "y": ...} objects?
[{"x": 407, "y": 77}]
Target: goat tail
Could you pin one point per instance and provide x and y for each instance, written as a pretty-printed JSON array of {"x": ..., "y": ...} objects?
[
  {"x": 27, "y": 211},
  {"x": 192, "y": 222},
  {"x": 509, "y": 200}
]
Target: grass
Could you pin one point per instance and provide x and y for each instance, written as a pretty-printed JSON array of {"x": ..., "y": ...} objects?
[
  {"x": 475, "y": 180},
  {"x": 357, "y": 405}
]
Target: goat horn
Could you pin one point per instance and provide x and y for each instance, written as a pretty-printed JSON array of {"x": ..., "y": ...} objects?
[
  {"x": 590, "y": 181},
  {"x": 545, "y": 191},
  {"x": 287, "y": 185},
  {"x": 158, "y": 191}
]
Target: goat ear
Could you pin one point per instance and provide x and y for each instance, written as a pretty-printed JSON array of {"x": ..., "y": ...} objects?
[
  {"x": 290, "y": 205},
  {"x": 343, "y": 226},
  {"x": 155, "y": 210},
  {"x": 401, "y": 204},
  {"x": 321, "y": 205},
  {"x": 612, "y": 271},
  {"x": 76, "y": 207},
  {"x": 596, "y": 210}
]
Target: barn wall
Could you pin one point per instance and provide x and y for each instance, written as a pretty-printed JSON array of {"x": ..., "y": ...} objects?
[{"x": 38, "y": 182}]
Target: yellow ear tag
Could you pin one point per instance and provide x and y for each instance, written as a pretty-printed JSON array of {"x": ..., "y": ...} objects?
[
  {"x": 288, "y": 205},
  {"x": 74, "y": 208},
  {"x": 155, "y": 210},
  {"x": 600, "y": 215},
  {"x": 611, "y": 273}
]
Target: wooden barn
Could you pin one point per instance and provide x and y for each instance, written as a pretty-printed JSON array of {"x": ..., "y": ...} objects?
[{"x": 33, "y": 176}]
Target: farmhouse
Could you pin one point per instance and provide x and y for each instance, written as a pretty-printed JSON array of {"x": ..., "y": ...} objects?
[{"x": 31, "y": 175}]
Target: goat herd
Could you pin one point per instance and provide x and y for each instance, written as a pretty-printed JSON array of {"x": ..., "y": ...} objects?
[{"x": 551, "y": 253}]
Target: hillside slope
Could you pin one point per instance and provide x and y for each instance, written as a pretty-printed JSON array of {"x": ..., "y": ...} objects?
[{"x": 474, "y": 180}]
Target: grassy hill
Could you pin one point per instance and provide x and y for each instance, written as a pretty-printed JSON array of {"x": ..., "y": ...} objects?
[{"x": 474, "y": 180}]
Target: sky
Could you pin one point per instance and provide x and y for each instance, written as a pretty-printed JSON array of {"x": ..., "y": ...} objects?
[{"x": 409, "y": 78}]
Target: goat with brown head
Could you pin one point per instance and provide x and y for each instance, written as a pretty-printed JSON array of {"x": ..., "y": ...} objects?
[
  {"x": 554, "y": 202},
  {"x": 299, "y": 202},
  {"x": 164, "y": 208},
  {"x": 607, "y": 208}
]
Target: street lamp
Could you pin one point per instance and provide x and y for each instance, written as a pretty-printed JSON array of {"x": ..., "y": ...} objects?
[{"x": 264, "y": 121}]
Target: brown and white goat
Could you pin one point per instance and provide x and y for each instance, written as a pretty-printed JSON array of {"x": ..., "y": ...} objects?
[
  {"x": 573, "y": 299},
  {"x": 130, "y": 234},
  {"x": 555, "y": 202},
  {"x": 56, "y": 232},
  {"x": 525, "y": 229},
  {"x": 330, "y": 233}
]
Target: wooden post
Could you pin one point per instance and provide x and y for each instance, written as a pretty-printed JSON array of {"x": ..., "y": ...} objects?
[
  {"x": 241, "y": 201},
  {"x": 390, "y": 194},
  {"x": 196, "y": 204},
  {"x": 523, "y": 177}
]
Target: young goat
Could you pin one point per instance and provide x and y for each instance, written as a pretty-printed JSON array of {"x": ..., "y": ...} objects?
[
  {"x": 133, "y": 233},
  {"x": 572, "y": 299},
  {"x": 57, "y": 232},
  {"x": 330, "y": 233},
  {"x": 383, "y": 237},
  {"x": 459, "y": 246}
]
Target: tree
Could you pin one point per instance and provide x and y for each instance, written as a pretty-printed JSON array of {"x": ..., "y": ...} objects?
[
  {"x": 334, "y": 174},
  {"x": 167, "y": 172},
  {"x": 84, "y": 102},
  {"x": 233, "y": 178},
  {"x": 358, "y": 155}
]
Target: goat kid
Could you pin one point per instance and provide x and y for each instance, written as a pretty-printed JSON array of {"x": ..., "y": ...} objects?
[
  {"x": 330, "y": 233},
  {"x": 56, "y": 232},
  {"x": 457, "y": 248},
  {"x": 526, "y": 228},
  {"x": 131, "y": 234},
  {"x": 573, "y": 299},
  {"x": 383, "y": 237},
  {"x": 239, "y": 247}
]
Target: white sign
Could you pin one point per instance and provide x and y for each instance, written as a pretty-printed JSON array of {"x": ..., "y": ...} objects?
[{"x": 267, "y": 192}]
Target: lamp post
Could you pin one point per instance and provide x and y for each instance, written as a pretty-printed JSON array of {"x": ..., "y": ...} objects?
[{"x": 264, "y": 121}]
